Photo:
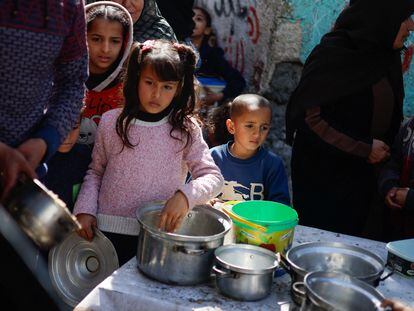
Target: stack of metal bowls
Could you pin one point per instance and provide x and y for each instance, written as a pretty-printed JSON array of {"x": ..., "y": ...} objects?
[{"x": 355, "y": 263}]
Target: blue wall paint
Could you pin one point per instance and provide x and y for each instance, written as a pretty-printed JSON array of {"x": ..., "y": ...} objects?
[{"x": 317, "y": 18}]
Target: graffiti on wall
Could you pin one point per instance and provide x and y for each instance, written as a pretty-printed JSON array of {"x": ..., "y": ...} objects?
[{"x": 240, "y": 35}]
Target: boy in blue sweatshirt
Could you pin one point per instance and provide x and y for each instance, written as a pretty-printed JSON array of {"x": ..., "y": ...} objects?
[{"x": 250, "y": 171}]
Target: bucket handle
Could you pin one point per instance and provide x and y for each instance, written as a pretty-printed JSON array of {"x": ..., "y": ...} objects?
[
  {"x": 240, "y": 219},
  {"x": 223, "y": 274},
  {"x": 183, "y": 249}
]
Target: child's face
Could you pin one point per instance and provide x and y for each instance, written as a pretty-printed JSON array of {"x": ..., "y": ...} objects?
[
  {"x": 105, "y": 39},
  {"x": 155, "y": 95},
  {"x": 200, "y": 28},
  {"x": 250, "y": 130}
]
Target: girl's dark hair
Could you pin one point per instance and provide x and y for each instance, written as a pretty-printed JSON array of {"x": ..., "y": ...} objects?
[
  {"x": 205, "y": 13},
  {"x": 170, "y": 62},
  {"x": 216, "y": 125},
  {"x": 109, "y": 12},
  {"x": 211, "y": 38}
]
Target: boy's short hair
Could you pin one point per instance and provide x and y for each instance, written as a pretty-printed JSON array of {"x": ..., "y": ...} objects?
[{"x": 243, "y": 102}]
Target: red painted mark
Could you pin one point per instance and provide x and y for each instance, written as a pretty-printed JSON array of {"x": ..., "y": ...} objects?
[
  {"x": 408, "y": 56},
  {"x": 254, "y": 26}
]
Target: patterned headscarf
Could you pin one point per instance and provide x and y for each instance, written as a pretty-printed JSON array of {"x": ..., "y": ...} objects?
[{"x": 151, "y": 24}]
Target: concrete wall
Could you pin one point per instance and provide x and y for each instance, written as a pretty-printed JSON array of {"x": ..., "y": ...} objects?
[{"x": 267, "y": 39}]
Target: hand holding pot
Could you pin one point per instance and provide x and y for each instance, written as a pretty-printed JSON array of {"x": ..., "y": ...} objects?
[
  {"x": 396, "y": 306},
  {"x": 87, "y": 223},
  {"x": 173, "y": 212},
  {"x": 12, "y": 164}
]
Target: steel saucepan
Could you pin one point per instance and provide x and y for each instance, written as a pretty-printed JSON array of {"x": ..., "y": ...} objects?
[
  {"x": 40, "y": 213},
  {"x": 329, "y": 291},
  {"x": 244, "y": 272},
  {"x": 186, "y": 256}
]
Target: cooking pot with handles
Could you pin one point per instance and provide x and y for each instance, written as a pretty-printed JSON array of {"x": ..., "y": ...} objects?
[{"x": 40, "y": 213}]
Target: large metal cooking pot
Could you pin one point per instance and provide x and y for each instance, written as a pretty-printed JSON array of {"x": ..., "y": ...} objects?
[
  {"x": 244, "y": 272},
  {"x": 184, "y": 257},
  {"x": 327, "y": 291},
  {"x": 336, "y": 257},
  {"x": 40, "y": 213}
]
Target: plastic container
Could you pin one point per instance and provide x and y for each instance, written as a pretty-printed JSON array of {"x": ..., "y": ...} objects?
[
  {"x": 401, "y": 256},
  {"x": 215, "y": 85},
  {"x": 278, "y": 219}
]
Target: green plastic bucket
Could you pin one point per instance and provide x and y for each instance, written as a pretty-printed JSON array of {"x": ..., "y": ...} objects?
[{"x": 279, "y": 220}]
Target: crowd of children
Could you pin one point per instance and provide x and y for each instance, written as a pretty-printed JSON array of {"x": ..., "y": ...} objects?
[{"x": 138, "y": 136}]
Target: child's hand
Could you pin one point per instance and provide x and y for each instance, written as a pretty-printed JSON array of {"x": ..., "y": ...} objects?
[
  {"x": 87, "y": 223},
  {"x": 379, "y": 152},
  {"x": 395, "y": 305},
  {"x": 173, "y": 212},
  {"x": 215, "y": 201},
  {"x": 401, "y": 196},
  {"x": 390, "y": 198}
]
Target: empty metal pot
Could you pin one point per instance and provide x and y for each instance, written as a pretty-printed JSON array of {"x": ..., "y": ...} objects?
[
  {"x": 244, "y": 272},
  {"x": 336, "y": 257},
  {"x": 40, "y": 213},
  {"x": 184, "y": 257},
  {"x": 332, "y": 257},
  {"x": 327, "y": 291}
]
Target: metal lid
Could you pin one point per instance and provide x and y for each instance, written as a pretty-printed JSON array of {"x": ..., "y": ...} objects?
[
  {"x": 338, "y": 291},
  {"x": 76, "y": 265},
  {"x": 203, "y": 223},
  {"x": 246, "y": 258},
  {"x": 338, "y": 257}
]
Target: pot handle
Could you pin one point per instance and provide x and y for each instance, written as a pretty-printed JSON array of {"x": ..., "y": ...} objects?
[
  {"x": 387, "y": 275},
  {"x": 298, "y": 289},
  {"x": 183, "y": 249},
  {"x": 223, "y": 274}
]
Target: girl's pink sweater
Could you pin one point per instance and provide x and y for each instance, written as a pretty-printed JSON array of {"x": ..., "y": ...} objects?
[{"x": 117, "y": 183}]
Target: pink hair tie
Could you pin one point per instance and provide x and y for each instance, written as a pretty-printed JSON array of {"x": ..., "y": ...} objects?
[{"x": 148, "y": 45}]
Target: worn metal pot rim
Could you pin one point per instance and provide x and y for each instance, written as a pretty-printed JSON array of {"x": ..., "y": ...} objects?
[
  {"x": 240, "y": 269},
  {"x": 157, "y": 205},
  {"x": 337, "y": 277},
  {"x": 337, "y": 245}
]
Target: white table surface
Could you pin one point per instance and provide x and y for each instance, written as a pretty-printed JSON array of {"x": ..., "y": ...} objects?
[{"x": 128, "y": 289}]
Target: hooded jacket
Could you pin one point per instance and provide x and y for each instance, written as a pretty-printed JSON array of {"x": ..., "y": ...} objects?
[{"x": 104, "y": 91}]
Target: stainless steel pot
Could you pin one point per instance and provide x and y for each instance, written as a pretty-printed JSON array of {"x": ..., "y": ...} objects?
[
  {"x": 337, "y": 291},
  {"x": 184, "y": 257},
  {"x": 40, "y": 213},
  {"x": 332, "y": 257},
  {"x": 336, "y": 257},
  {"x": 244, "y": 272}
]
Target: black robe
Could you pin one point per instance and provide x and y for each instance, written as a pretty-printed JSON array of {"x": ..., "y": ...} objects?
[{"x": 333, "y": 189}]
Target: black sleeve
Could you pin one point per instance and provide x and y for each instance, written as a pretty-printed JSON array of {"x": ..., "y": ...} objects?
[
  {"x": 409, "y": 201},
  {"x": 390, "y": 174}
]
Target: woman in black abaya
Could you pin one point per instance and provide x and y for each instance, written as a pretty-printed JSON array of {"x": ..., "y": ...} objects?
[{"x": 345, "y": 112}]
